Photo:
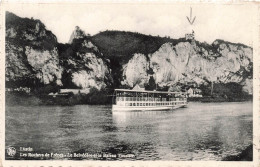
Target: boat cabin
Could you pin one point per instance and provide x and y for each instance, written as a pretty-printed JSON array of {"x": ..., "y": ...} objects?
[{"x": 141, "y": 99}]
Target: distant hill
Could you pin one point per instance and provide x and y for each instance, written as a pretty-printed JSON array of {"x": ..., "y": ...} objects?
[{"x": 123, "y": 44}]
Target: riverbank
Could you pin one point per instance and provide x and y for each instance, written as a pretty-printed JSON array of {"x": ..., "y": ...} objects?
[
  {"x": 93, "y": 98},
  {"x": 211, "y": 99},
  {"x": 245, "y": 155}
]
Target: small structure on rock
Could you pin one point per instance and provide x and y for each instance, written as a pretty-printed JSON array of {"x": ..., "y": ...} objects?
[{"x": 190, "y": 36}]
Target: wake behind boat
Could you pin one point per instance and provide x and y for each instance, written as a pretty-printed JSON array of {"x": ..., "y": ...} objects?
[{"x": 141, "y": 100}]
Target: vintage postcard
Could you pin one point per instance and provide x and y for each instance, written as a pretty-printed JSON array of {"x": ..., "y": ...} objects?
[{"x": 142, "y": 83}]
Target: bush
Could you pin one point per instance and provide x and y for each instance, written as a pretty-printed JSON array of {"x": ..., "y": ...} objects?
[
  {"x": 228, "y": 90},
  {"x": 46, "y": 89},
  {"x": 96, "y": 96}
]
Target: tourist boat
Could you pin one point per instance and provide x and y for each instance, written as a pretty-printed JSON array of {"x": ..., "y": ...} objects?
[{"x": 140, "y": 100}]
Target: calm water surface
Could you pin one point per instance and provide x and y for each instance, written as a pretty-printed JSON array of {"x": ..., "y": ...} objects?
[{"x": 203, "y": 131}]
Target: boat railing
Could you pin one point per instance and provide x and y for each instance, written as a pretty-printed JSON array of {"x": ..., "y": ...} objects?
[
  {"x": 150, "y": 103},
  {"x": 144, "y": 99}
]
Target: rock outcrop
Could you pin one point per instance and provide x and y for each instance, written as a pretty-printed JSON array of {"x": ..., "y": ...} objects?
[
  {"x": 192, "y": 63},
  {"x": 93, "y": 74},
  {"x": 34, "y": 57},
  {"x": 84, "y": 63},
  {"x": 31, "y": 52},
  {"x": 77, "y": 34},
  {"x": 45, "y": 64},
  {"x": 135, "y": 71}
]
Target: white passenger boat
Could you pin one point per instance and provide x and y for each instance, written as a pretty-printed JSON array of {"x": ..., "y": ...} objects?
[{"x": 134, "y": 100}]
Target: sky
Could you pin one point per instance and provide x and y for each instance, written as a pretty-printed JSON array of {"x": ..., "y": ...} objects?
[{"x": 234, "y": 23}]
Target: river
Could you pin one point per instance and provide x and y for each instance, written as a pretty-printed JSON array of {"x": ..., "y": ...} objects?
[{"x": 202, "y": 131}]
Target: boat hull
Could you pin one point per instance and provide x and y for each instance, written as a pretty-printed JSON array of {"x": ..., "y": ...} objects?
[{"x": 146, "y": 108}]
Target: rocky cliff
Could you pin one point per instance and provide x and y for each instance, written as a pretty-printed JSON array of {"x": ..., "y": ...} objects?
[
  {"x": 84, "y": 65},
  {"x": 114, "y": 59},
  {"x": 192, "y": 63},
  {"x": 31, "y": 52},
  {"x": 34, "y": 58}
]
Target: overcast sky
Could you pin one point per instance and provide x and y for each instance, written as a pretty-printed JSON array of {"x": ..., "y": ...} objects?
[{"x": 233, "y": 23}]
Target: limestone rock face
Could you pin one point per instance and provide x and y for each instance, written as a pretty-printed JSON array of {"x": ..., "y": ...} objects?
[
  {"x": 94, "y": 73},
  {"x": 135, "y": 71},
  {"x": 31, "y": 52},
  {"x": 16, "y": 65},
  {"x": 186, "y": 62},
  {"x": 85, "y": 66},
  {"x": 77, "y": 34},
  {"x": 168, "y": 63},
  {"x": 45, "y": 64}
]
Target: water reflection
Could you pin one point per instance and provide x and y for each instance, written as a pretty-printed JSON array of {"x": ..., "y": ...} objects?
[
  {"x": 208, "y": 132},
  {"x": 122, "y": 119}
]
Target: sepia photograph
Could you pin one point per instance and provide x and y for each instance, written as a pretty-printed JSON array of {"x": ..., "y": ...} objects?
[{"x": 130, "y": 82}]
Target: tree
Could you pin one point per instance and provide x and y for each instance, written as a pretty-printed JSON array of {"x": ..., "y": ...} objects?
[{"x": 151, "y": 84}]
